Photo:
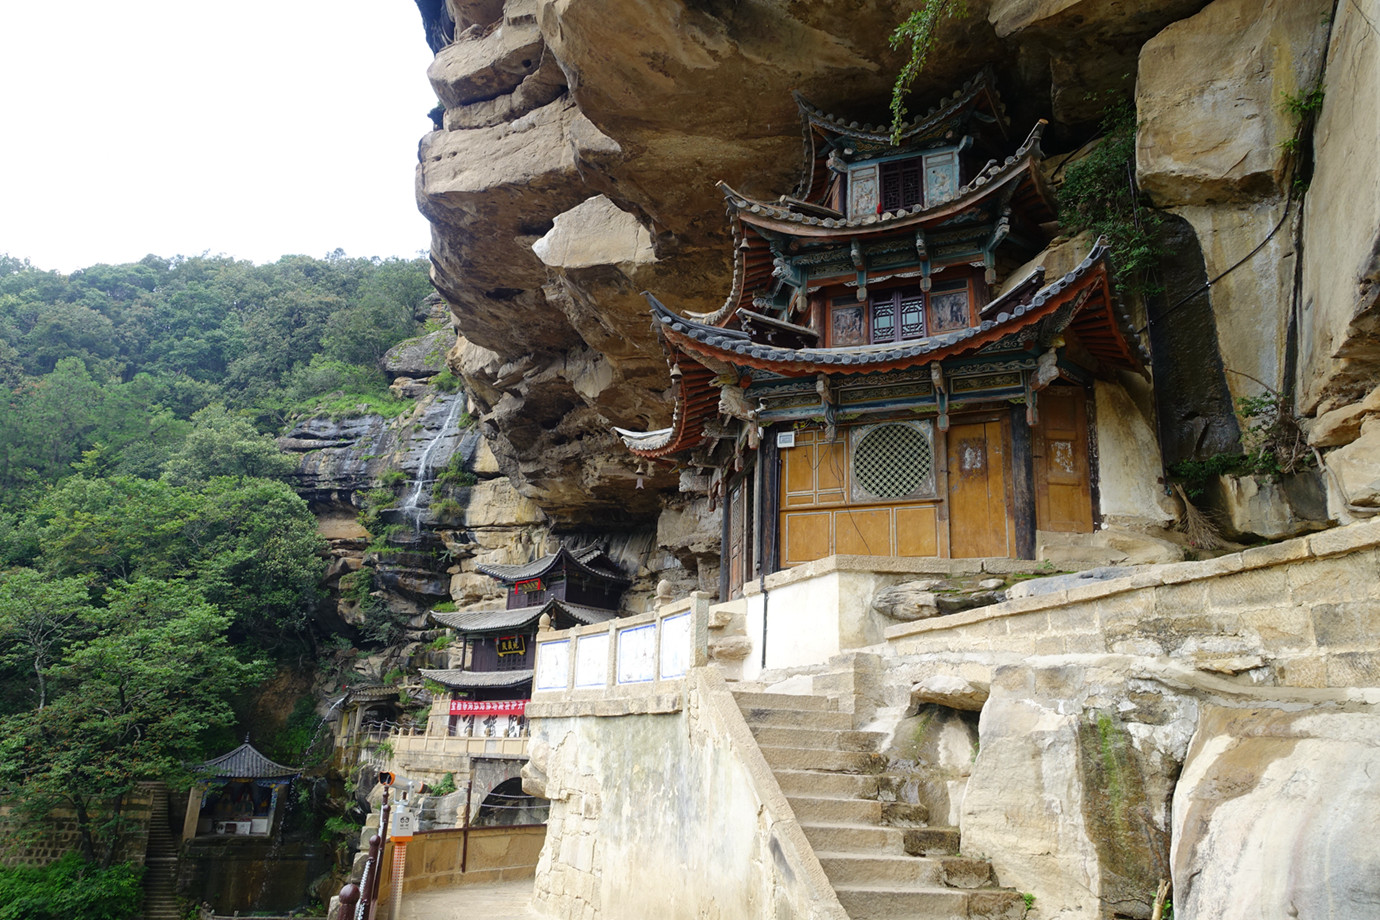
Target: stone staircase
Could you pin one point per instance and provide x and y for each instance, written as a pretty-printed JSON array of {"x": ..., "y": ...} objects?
[
  {"x": 882, "y": 858},
  {"x": 160, "y": 861}
]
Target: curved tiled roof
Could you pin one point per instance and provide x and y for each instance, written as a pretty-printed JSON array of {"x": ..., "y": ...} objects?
[
  {"x": 968, "y": 95},
  {"x": 477, "y": 680},
  {"x": 474, "y": 622},
  {"x": 1021, "y": 164},
  {"x": 591, "y": 560},
  {"x": 244, "y": 762},
  {"x": 477, "y": 621}
]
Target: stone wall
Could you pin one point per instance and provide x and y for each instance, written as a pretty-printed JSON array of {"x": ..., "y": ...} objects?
[
  {"x": 1302, "y": 613},
  {"x": 670, "y": 814},
  {"x": 38, "y": 846}
]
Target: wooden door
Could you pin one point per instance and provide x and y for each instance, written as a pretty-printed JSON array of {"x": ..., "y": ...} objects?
[
  {"x": 1059, "y": 448},
  {"x": 979, "y": 523}
]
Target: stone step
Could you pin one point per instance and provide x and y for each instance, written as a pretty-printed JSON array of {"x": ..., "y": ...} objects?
[
  {"x": 862, "y": 869},
  {"x": 931, "y": 841},
  {"x": 883, "y": 903},
  {"x": 838, "y": 785},
  {"x": 866, "y": 902},
  {"x": 753, "y": 699},
  {"x": 793, "y": 758},
  {"x": 826, "y": 739},
  {"x": 835, "y": 811},
  {"x": 823, "y": 719},
  {"x": 865, "y": 839}
]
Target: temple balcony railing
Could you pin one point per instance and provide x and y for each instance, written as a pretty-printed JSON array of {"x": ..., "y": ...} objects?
[{"x": 644, "y": 657}]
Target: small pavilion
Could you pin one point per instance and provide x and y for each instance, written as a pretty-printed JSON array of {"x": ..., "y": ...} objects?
[{"x": 238, "y": 794}]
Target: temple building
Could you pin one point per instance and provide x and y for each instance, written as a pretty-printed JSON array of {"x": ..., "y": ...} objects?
[
  {"x": 239, "y": 794},
  {"x": 897, "y": 369},
  {"x": 489, "y": 692}
]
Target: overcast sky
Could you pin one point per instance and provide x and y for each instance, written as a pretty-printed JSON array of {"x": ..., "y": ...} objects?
[{"x": 255, "y": 129}]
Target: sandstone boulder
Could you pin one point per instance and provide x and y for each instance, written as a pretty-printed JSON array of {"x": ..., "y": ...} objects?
[
  {"x": 1356, "y": 468},
  {"x": 1071, "y": 789},
  {"x": 1340, "y": 290},
  {"x": 1208, "y": 99},
  {"x": 1269, "y": 812},
  {"x": 1268, "y": 508},
  {"x": 423, "y": 356},
  {"x": 952, "y": 691}
]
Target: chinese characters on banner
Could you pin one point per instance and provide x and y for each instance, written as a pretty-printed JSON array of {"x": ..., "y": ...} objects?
[{"x": 488, "y": 707}]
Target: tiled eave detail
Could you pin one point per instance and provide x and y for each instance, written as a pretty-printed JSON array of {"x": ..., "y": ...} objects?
[
  {"x": 1086, "y": 289},
  {"x": 1021, "y": 168}
]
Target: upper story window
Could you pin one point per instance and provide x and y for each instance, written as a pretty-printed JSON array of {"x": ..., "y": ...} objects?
[
  {"x": 924, "y": 180},
  {"x": 900, "y": 314}
]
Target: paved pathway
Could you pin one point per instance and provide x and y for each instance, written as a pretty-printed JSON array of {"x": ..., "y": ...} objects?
[{"x": 491, "y": 901}]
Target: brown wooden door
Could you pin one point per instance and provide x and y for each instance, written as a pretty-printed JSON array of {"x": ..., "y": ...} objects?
[
  {"x": 1063, "y": 500},
  {"x": 979, "y": 524}
]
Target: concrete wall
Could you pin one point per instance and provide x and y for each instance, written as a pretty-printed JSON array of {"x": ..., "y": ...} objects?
[
  {"x": 821, "y": 608},
  {"x": 671, "y": 814},
  {"x": 1301, "y": 613}
]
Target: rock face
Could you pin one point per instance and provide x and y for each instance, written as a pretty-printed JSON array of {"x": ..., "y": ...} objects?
[
  {"x": 581, "y": 140},
  {"x": 1250, "y": 774}
]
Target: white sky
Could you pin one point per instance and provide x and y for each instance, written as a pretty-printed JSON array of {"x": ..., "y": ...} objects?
[{"x": 255, "y": 128}]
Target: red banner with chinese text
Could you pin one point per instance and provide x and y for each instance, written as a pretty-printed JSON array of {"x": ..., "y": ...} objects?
[{"x": 488, "y": 707}]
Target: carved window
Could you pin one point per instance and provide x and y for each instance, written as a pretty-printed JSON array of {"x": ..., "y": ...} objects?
[
  {"x": 902, "y": 184},
  {"x": 898, "y": 315},
  {"x": 893, "y": 460}
]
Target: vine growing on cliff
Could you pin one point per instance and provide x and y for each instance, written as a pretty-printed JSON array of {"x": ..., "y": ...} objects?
[
  {"x": 918, "y": 29},
  {"x": 1099, "y": 193}
]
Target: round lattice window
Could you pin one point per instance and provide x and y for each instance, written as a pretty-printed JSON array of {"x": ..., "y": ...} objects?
[{"x": 893, "y": 461}]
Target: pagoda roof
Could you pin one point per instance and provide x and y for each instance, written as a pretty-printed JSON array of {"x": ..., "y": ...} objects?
[
  {"x": 592, "y": 561},
  {"x": 244, "y": 762},
  {"x": 1017, "y": 182},
  {"x": 1081, "y": 301},
  {"x": 1021, "y": 167},
  {"x": 482, "y": 622},
  {"x": 978, "y": 97},
  {"x": 1084, "y": 288},
  {"x": 477, "y": 680}
]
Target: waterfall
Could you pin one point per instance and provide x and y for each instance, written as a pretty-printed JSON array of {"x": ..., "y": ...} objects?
[{"x": 412, "y": 507}]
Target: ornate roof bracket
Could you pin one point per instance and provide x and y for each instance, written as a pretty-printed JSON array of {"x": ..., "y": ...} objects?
[
  {"x": 855, "y": 253},
  {"x": 1032, "y": 411},
  {"x": 941, "y": 394},
  {"x": 829, "y": 402}
]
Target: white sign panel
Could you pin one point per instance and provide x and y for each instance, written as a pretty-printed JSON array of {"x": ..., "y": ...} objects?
[
  {"x": 404, "y": 822},
  {"x": 637, "y": 654},
  {"x": 553, "y": 665},
  {"x": 675, "y": 646},
  {"x": 592, "y": 661}
]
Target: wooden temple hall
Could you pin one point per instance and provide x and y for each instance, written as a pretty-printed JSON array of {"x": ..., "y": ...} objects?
[
  {"x": 891, "y": 374},
  {"x": 490, "y": 689}
]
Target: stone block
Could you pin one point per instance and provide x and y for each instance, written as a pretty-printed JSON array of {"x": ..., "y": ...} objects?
[
  {"x": 1356, "y": 623},
  {"x": 1347, "y": 539},
  {"x": 1277, "y": 553},
  {"x": 1250, "y": 590},
  {"x": 1332, "y": 579},
  {"x": 1353, "y": 669}
]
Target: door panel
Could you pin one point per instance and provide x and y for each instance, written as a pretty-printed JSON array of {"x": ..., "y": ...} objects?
[
  {"x": 805, "y": 535},
  {"x": 916, "y": 531},
  {"x": 863, "y": 532},
  {"x": 1063, "y": 498},
  {"x": 978, "y": 524}
]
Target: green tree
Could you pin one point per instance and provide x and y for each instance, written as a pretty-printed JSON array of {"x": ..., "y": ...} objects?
[
  {"x": 221, "y": 444},
  {"x": 134, "y": 702},
  {"x": 37, "y": 617}
]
